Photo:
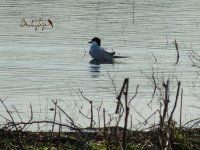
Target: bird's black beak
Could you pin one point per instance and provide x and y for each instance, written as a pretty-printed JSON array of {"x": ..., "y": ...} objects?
[{"x": 90, "y": 42}]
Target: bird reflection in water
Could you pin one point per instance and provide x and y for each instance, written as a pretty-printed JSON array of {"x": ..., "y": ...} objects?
[{"x": 95, "y": 67}]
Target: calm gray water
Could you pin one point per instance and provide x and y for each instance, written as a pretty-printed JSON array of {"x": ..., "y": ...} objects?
[{"x": 38, "y": 66}]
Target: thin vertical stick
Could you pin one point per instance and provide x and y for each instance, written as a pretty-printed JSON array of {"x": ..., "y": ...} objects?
[
  {"x": 177, "y": 94},
  {"x": 181, "y": 107},
  {"x": 126, "y": 81},
  {"x": 54, "y": 119},
  {"x": 166, "y": 101},
  {"x": 131, "y": 126},
  {"x": 104, "y": 127},
  {"x": 104, "y": 118},
  {"x": 58, "y": 142},
  {"x": 99, "y": 119},
  {"x": 177, "y": 49},
  {"x": 91, "y": 111}
]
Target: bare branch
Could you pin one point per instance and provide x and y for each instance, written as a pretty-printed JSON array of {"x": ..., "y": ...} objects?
[
  {"x": 194, "y": 58},
  {"x": 14, "y": 124},
  {"x": 154, "y": 57},
  {"x": 17, "y": 112},
  {"x": 91, "y": 108},
  {"x": 177, "y": 94},
  {"x": 136, "y": 91},
  {"x": 177, "y": 49}
]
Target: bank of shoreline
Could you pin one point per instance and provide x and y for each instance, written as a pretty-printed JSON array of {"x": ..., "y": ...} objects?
[{"x": 102, "y": 139}]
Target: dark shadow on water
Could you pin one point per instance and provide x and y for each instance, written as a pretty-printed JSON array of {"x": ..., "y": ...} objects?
[
  {"x": 96, "y": 62},
  {"x": 95, "y": 67}
]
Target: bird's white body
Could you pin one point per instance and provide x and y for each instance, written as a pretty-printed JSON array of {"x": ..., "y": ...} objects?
[{"x": 98, "y": 53}]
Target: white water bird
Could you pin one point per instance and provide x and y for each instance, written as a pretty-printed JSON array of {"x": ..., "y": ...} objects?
[{"x": 98, "y": 53}]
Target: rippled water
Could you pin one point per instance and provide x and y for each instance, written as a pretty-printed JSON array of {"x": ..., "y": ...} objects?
[{"x": 38, "y": 66}]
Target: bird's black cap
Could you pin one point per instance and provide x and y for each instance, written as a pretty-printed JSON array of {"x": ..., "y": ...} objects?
[{"x": 97, "y": 40}]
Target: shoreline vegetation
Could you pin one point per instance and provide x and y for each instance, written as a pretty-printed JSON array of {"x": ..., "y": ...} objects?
[
  {"x": 103, "y": 139},
  {"x": 168, "y": 134}
]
